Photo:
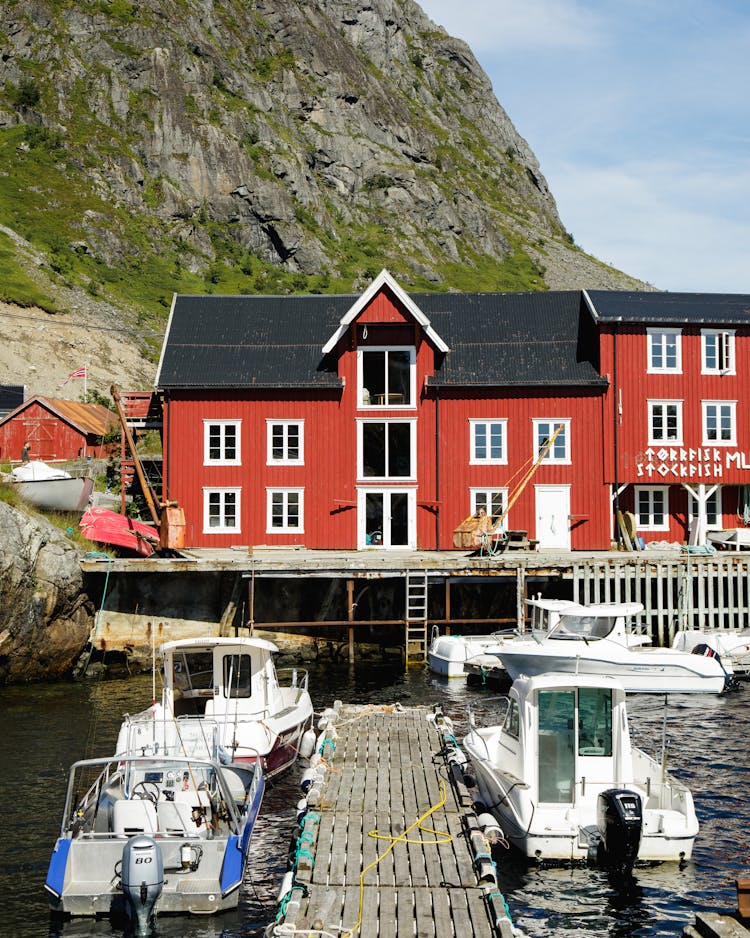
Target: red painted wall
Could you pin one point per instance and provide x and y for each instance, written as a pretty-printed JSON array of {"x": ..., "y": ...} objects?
[
  {"x": 632, "y": 386},
  {"x": 50, "y": 437},
  {"x": 329, "y": 474}
]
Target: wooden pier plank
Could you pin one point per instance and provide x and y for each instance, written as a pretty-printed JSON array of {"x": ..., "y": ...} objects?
[{"x": 386, "y": 775}]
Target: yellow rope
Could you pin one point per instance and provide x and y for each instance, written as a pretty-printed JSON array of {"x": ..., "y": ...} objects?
[{"x": 443, "y": 838}]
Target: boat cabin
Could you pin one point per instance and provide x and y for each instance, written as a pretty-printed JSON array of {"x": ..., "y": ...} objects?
[
  {"x": 566, "y": 742},
  {"x": 591, "y": 623},
  {"x": 214, "y": 677}
]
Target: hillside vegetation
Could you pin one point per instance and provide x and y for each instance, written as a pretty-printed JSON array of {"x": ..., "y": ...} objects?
[{"x": 256, "y": 146}]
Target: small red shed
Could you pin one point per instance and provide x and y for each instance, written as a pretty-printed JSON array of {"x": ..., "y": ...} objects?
[{"x": 55, "y": 430}]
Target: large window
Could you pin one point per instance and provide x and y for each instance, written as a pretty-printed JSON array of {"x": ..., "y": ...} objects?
[
  {"x": 652, "y": 507},
  {"x": 387, "y": 377},
  {"x": 386, "y": 449},
  {"x": 285, "y": 511},
  {"x": 488, "y": 442},
  {"x": 544, "y": 432},
  {"x": 665, "y": 422},
  {"x": 221, "y": 511},
  {"x": 719, "y": 423},
  {"x": 717, "y": 351},
  {"x": 221, "y": 442},
  {"x": 491, "y": 501},
  {"x": 285, "y": 442},
  {"x": 664, "y": 350}
]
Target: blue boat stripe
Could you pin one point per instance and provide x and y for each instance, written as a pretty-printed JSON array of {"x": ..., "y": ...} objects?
[{"x": 57, "y": 865}]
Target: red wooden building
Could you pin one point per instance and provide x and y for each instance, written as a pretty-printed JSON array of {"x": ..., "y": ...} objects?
[
  {"x": 387, "y": 418},
  {"x": 55, "y": 430}
]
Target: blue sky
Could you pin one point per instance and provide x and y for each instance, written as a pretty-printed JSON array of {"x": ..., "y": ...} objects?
[{"x": 639, "y": 114}]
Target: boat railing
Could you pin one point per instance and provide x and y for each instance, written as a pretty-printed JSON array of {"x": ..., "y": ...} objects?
[
  {"x": 476, "y": 729},
  {"x": 197, "y": 736}
]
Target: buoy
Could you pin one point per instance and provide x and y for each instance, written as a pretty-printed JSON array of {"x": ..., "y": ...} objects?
[
  {"x": 492, "y": 830},
  {"x": 307, "y": 744},
  {"x": 286, "y": 884}
]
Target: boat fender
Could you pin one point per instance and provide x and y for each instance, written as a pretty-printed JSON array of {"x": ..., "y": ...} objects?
[
  {"x": 301, "y": 808},
  {"x": 308, "y": 777},
  {"x": 323, "y": 724},
  {"x": 142, "y": 880},
  {"x": 286, "y": 885},
  {"x": 492, "y": 830},
  {"x": 315, "y": 758},
  {"x": 313, "y": 795},
  {"x": 456, "y": 756},
  {"x": 307, "y": 744}
]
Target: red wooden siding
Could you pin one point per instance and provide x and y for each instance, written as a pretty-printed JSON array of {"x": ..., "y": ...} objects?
[
  {"x": 51, "y": 438},
  {"x": 444, "y": 476},
  {"x": 690, "y": 463}
]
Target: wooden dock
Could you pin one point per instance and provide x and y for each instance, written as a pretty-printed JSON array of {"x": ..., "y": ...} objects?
[{"x": 389, "y": 845}]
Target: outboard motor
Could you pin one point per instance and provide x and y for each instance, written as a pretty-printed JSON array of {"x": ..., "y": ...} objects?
[
  {"x": 142, "y": 880},
  {"x": 619, "y": 817}
]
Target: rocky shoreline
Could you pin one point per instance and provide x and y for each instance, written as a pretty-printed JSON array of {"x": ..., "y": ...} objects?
[{"x": 45, "y": 613}]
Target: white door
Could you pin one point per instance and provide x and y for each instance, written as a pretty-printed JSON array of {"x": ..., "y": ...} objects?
[
  {"x": 553, "y": 516},
  {"x": 387, "y": 518}
]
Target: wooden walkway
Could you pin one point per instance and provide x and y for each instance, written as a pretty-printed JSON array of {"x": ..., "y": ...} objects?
[{"x": 365, "y": 865}]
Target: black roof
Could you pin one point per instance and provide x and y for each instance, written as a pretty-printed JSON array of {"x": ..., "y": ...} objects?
[
  {"x": 251, "y": 341},
  {"x": 513, "y": 339},
  {"x": 11, "y": 396},
  {"x": 495, "y": 339},
  {"x": 720, "y": 309}
]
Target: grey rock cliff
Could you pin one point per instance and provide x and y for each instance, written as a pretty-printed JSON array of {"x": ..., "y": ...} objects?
[
  {"x": 45, "y": 617},
  {"x": 319, "y": 136}
]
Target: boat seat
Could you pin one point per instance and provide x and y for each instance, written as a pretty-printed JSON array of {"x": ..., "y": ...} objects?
[{"x": 134, "y": 817}]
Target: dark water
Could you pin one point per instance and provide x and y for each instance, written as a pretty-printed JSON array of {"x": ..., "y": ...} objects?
[{"x": 46, "y": 727}]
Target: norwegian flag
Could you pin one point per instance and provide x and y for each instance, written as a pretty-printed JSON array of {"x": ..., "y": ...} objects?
[{"x": 81, "y": 373}]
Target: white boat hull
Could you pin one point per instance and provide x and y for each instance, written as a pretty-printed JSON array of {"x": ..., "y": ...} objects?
[
  {"x": 57, "y": 494},
  {"x": 645, "y": 671}
]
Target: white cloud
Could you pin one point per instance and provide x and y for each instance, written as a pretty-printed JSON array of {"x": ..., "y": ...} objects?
[
  {"x": 668, "y": 223},
  {"x": 496, "y": 25}
]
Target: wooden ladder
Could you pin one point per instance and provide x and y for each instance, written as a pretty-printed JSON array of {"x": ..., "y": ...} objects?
[{"x": 416, "y": 617}]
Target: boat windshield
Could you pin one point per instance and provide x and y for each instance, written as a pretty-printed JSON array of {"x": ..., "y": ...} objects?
[
  {"x": 590, "y": 628},
  {"x": 193, "y": 671}
]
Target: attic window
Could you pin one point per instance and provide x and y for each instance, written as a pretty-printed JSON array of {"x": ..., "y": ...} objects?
[{"x": 386, "y": 377}]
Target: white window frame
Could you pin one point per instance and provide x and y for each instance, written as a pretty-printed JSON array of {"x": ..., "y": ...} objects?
[
  {"x": 650, "y": 491},
  {"x": 732, "y": 407},
  {"x": 223, "y": 528},
  {"x": 659, "y": 338},
  {"x": 222, "y": 460},
  {"x": 554, "y": 423},
  {"x": 366, "y": 404},
  {"x": 285, "y": 460},
  {"x": 371, "y": 480},
  {"x": 481, "y": 497},
  {"x": 724, "y": 352},
  {"x": 717, "y": 524},
  {"x": 488, "y": 423},
  {"x": 652, "y": 407},
  {"x": 285, "y": 491}
]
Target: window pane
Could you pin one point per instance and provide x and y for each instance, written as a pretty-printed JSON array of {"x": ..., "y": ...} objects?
[
  {"x": 230, "y": 441},
  {"x": 556, "y": 746},
  {"x": 214, "y": 509},
  {"x": 595, "y": 721},
  {"x": 237, "y": 675},
  {"x": 214, "y": 441},
  {"x": 277, "y": 441},
  {"x": 292, "y": 442},
  {"x": 292, "y": 520},
  {"x": 230, "y": 509},
  {"x": 373, "y": 449},
  {"x": 399, "y": 449},
  {"x": 277, "y": 509},
  {"x": 399, "y": 384},
  {"x": 480, "y": 440},
  {"x": 373, "y": 376},
  {"x": 496, "y": 441}
]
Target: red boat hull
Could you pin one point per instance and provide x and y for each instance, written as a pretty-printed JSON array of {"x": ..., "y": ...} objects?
[{"x": 108, "y": 527}]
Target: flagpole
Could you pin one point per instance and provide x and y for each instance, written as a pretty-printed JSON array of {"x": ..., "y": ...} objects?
[{"x": 85, "y": 381}]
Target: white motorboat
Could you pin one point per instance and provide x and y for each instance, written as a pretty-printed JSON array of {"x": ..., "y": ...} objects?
[
  {"x": 457, "y": 655},
  {"x": 223, "y": 698},
  {"x": 732, "y": 645},
  {"x": 563, "y": 780},
  {"x": 597, "y": 643},
  {"x": 156, "y": 834},
  {"x": 52, "y": 489}
]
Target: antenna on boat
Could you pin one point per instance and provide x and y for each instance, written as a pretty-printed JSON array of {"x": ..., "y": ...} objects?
[{"x": 153, "y": 668}]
